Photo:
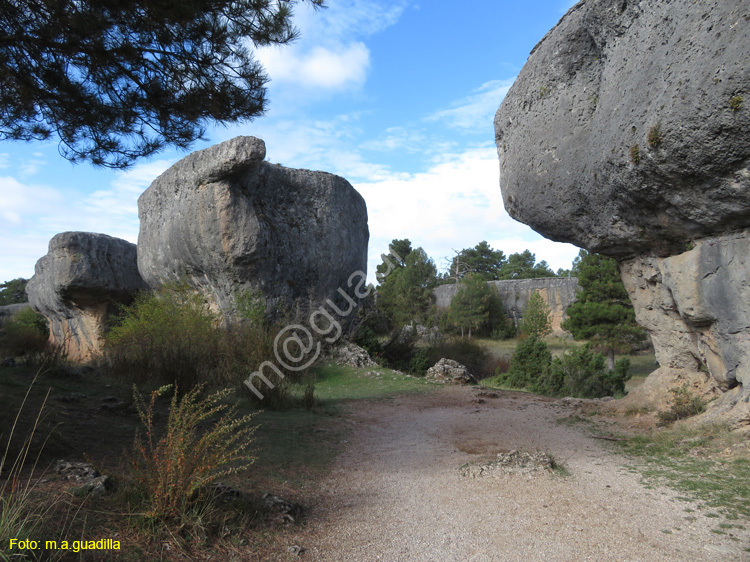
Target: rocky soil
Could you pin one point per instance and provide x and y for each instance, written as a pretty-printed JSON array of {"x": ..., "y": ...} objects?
[{"x": 402, "y": 491}]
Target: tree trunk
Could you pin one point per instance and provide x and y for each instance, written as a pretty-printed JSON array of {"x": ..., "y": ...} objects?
[{"x": 611, "y": 359}]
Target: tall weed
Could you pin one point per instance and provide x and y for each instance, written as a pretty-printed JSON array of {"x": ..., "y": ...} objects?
[
  {"x": 21, "y": 514},
  {"x": 173, "y": 467}
]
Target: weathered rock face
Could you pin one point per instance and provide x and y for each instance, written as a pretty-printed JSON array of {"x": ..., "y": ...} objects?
[
  {"x": 450, "y": 371},
  {"x": 558, "y": 293},
  {"x": 666, "y": 77},
  {"x": 80, "y": 281},
  {"x": 226, "y": 221},
  {"x": 626, "y": 133},
  {"x": 696, "y": 305}
]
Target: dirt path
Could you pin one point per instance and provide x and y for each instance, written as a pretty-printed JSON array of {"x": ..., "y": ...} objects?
[{"x": 397, "y": 493}]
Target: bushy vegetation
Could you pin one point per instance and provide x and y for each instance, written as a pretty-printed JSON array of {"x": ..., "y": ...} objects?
[
  {"x": 171, "y": 336},
  {"x": 580, "y": 372},
  {"x": 20, "y": 517},
  {"x": 684, "y": 404},
  {"x": 602, "y": 313},
  {"x": 13, "y": 291},
  {"x": 172, "y": 468},
  {"x": 25, "y": 334},
  {"x": 404, "y": 354},
  {"x": 530, "y": 363},
  {"x": 536, "y": 322}
]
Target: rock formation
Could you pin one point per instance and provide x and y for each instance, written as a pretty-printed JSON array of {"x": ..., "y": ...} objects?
[
  {"x": 226, "y": 221},
  {"x": 626, "y": 133},
  {"x": 558, "y": 293},
  {"x": 80, "y": 281},
  {"x": 450, "y": 371}
]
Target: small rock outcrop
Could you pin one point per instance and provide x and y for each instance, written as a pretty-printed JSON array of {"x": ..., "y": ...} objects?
[
  {"x": 558, "y": 293},
  {"x": 226, "y": 221},
  {"x": 626, "y": 133},
  {"x": 450, "y": 371},
  {"x": 82, "y": 279},
  {"x": 351, "y": 355}
]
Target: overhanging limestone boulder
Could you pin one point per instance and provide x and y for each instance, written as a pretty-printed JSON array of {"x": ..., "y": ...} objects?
[
  {"x": 665, "y": 77},
  {"x": 79, "y": 283},
  {"x": 626, "y": 133},
  {"x": 224, "y": 220}
]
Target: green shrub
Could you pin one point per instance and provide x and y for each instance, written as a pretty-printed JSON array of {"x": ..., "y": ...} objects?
[
  {"x": 583, "y": 374},
  {"x": 251, "y": 306},
  {"x": 530, "y": 362},
  {"x": 366, "y": 338},
  {"x": 635, "y": 154},
  {"x": 26, "y": 333},
  {"x": 420, "y": 362},
  {"x": 469, "y": 353},
  {"x": 171, "y": 469},
  {"x": 655, "y": 137},
  {"x": 684, "y": 405},
  {"x": 168, "y": 335},
  {"x": 536, "y": 322}
]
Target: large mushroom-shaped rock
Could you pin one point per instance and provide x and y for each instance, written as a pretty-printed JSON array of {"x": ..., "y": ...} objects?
[
  {"x": 79, "y": 283},
  {"x": 626, "y": 133},
  {"x": 225, "y": 221},
  {"x": 626, "y": 130}
]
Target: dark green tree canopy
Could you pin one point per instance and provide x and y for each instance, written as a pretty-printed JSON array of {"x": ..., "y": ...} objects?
[
  {"x": 405, "y": 287},
  {"x": 13, "y": 292},
  {"x": 480, "y": 260},
  {"x": 602, "y": 312},
  {"x": 116, "y": 80},
  {"x": 524, "y": 266}
]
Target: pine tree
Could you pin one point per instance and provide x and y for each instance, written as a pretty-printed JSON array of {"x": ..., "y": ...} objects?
[
  {"x": 536, "y": 322},
  {"x": 117, "y": 80},
  {"x": 602, "y": 313},
  {"x": 470, "y": 308}
]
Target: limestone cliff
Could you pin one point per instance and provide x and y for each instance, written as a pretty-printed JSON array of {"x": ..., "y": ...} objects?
[{"x": 558, "y": 293}]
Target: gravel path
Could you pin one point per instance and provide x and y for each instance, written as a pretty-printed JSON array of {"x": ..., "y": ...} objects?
[{"x": 397, "y": 493}]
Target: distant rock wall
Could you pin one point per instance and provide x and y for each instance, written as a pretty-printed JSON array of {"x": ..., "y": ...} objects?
[
  {"x": 558, "y": 293},
  {"x": 9, "y": 310},
  {"x": 225, "y": 221},
  {"x": 80, "y": 281}
]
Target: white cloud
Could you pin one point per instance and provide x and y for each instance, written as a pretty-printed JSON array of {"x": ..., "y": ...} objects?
[
  {"x": 330, "y": 54},
  {"x": 4, "y": 160},
  {"x": 32, "y": 214},
  {"x": 326, "y": 68},
  {"x": 454, "y": 205},
  {"x": 477, "y": 110},
  {"x": 398, "y": 138}
]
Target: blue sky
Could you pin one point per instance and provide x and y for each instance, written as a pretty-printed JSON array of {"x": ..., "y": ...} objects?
[{"x": 396, "y": 96}]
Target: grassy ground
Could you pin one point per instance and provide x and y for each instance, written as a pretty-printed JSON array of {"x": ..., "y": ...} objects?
[
  {"x": 87, "y": 418},
  {"x": 710, "y": 464}
]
